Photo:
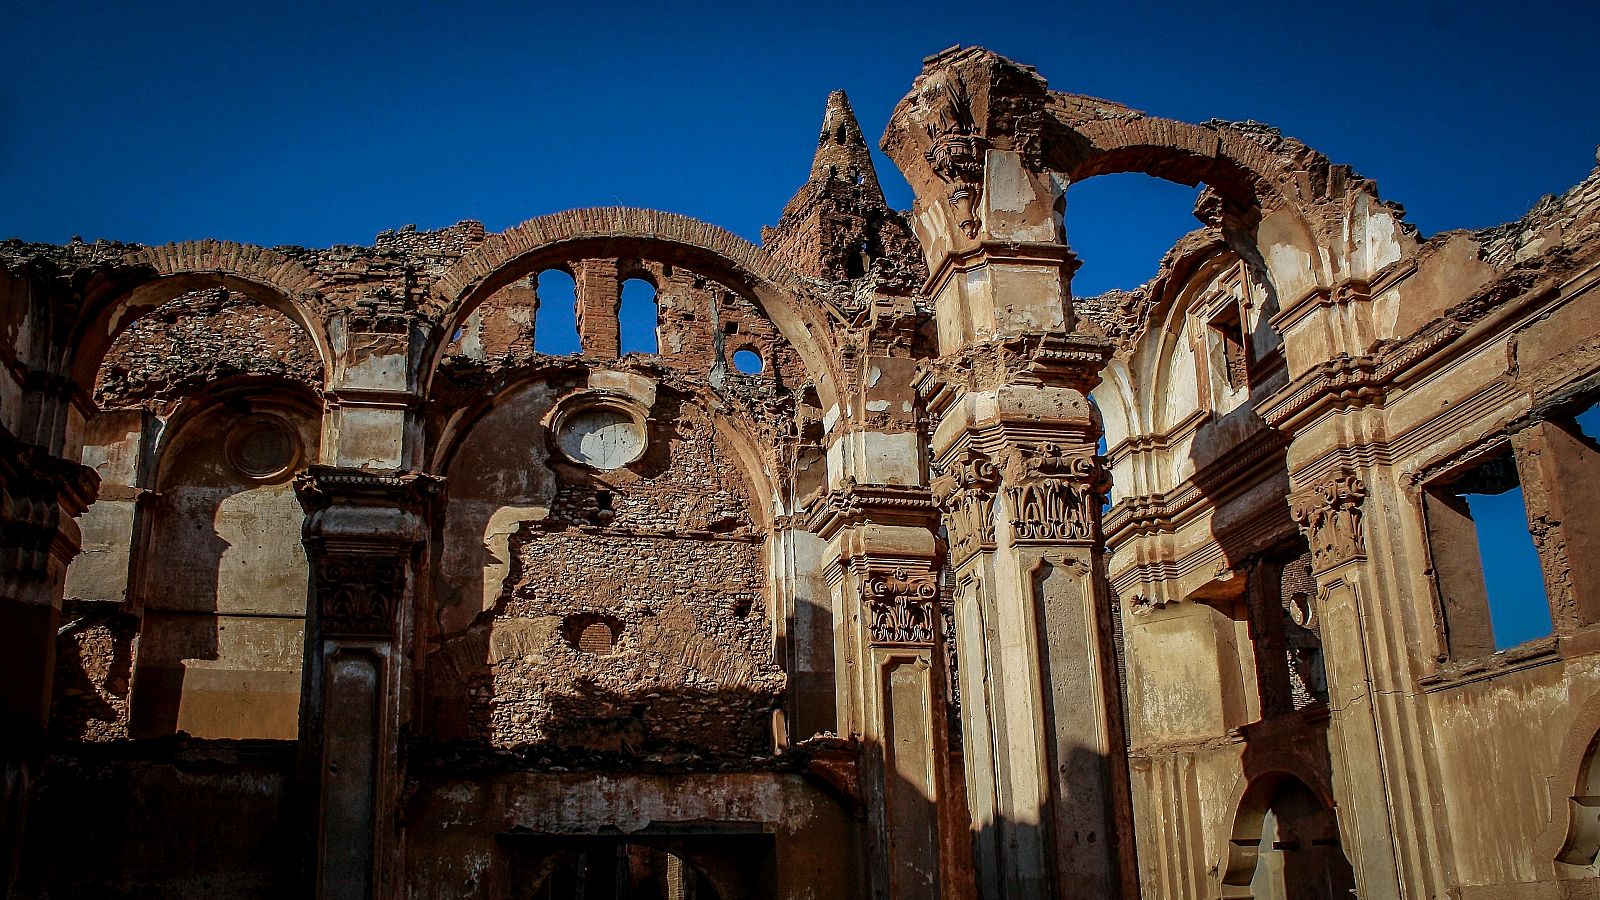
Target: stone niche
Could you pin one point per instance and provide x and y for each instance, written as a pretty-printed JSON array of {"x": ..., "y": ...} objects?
[{"x": 605, "y": 576}]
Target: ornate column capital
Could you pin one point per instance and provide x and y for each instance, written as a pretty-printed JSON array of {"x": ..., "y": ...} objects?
[
  {"x": 1053, "y": 494},
  {"x": 902, "y": 606},
  {"x": 1329, "y": 513},
  {"x": 361, "y": 528},
  {"x": 965, "y": 488}
]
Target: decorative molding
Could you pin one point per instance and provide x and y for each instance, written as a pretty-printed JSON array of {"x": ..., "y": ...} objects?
[
  {"x": 1037, "y": 359},
  {"x": 902, "y": 607},
  {"x": 853, "y": 503},
  {"x": 956, "y": 150},
  {"x": 358, "y": 595},
  {"x": 1347, "y": 381},
  {"x": 40, "y": 496},
  {"x": 1329, "y": 513}
]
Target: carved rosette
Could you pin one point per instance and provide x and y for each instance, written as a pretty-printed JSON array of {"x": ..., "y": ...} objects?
[
  {"x": 902, "y": 607},
  {"x": 964, "y": 490},
  {"x": 1054, "y": 495},
  {"x": 1329, "y": 513}
]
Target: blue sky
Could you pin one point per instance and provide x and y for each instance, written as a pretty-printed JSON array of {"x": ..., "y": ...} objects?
[
  {"x": 302, "y": 123},
  {"x": 313, "y": 124}
]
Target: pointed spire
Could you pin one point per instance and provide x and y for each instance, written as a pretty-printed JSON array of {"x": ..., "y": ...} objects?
[{"x": 841, "y": 148}]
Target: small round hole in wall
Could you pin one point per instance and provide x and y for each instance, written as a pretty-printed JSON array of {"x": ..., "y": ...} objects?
[
  {"x": 748, "y": 361},
  {"x": 263, "y": 447}
]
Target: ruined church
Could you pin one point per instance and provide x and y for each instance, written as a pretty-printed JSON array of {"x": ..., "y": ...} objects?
[{"x": 886, "y": 567}]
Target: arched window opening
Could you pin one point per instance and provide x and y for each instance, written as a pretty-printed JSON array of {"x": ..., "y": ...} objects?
[
  {"x": 225, "y": 586},
  {"x": 1121, "y": 226},
  {"x": 1581, "y": 849},
  {"x": 1286, "y": 848},
  {"x": 638, "y": 315},
  {"x": 555, "y": 327},
  {"x": 748, "y": 361}
]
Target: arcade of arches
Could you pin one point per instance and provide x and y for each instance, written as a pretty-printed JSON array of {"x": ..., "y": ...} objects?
[{"x": 884, "y": 566}]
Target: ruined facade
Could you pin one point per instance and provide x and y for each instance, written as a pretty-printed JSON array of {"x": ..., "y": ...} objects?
[{"x": 887, "y": 567}]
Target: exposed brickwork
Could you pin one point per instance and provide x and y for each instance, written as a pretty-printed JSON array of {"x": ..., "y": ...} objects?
[
  {"x": 200, "y": 338},
  {"x": 94, "y": 667}
]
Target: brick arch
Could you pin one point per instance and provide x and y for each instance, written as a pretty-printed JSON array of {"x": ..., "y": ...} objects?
[
  {"x": 536, "y": 244},
  {"x": 1261, "y": 173},
  {"x": 1253, "y": 166},
  {"x": 150, "y": 276}
]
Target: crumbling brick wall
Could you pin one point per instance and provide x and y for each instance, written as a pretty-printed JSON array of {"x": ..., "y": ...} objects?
[
  {"x": 199, "y": 338},
  {"x": 664, "y": 559}
]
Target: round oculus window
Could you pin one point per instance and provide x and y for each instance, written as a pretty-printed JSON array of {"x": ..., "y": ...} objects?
[
  {"x": 262, "y": 447},
  {"x": 601, "y": 436}
]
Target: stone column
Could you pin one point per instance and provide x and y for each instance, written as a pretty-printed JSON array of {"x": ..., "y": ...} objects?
[
  {"x": 882, "y": 566},
  {"x": 1021, "y": 489},
  {"x": 363, "y": 533},
  {"x": 1329, "y": 510},
  {"x": 1014, "y": 445},
  {"x": 40, "y": 497}
]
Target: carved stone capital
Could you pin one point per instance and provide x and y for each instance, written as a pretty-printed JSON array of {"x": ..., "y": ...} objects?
[
  {"x": 902, "y": 607},
  {"x": 359, "y": 595},
  {"x": 361, "y": 530},
  {"x": 965, "y": 489},
  {"x": 1329, "y": 513},
  {"x": 1053, "y": 494}
]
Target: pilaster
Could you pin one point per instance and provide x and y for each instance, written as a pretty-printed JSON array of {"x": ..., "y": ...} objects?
[
  {"x": 363, "y": 534},
  {"x": 1376, "y": 779},
  {"x": 41, "y": 497},
  {"x": 882, "y": 565}
]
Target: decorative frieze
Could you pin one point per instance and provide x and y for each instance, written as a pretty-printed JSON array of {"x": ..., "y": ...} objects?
[
  {"x": 1329, "y": 513},
  {"x": 902, "y": 607},
  {"x": 853, "y": 503}
]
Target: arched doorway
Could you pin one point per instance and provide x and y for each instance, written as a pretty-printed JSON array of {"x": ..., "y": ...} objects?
[
  {"x": 1285, "y": 846},
  {"x": 614, "y": 870}
]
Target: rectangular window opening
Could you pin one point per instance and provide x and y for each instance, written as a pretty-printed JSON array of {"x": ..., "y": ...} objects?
[
  {"x": 1227, "y": 330},
  {"x": 1490, "y": 581}
]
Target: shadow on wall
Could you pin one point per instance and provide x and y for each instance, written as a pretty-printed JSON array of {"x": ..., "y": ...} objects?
[
  {"x": 169, "y": 818},
  {"x": 223, "y": 583},
  {"x": 1019, "y": 857}
]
